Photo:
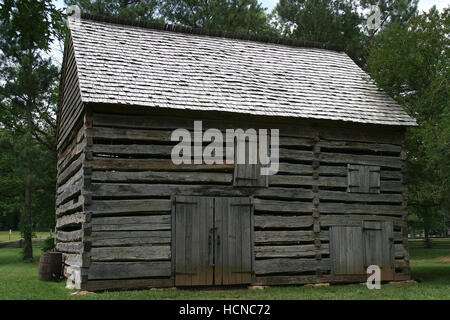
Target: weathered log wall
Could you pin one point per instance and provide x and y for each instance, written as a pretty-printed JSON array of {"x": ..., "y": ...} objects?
[{"x": 129, "y": 178}]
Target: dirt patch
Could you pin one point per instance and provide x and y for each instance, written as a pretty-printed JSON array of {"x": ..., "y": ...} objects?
[
  {"x": 400, "y": 283},
  {"x": 443, "y": 259}
]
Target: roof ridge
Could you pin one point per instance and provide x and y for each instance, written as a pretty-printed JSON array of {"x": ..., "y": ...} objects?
[{"x": 214, "y": 33}]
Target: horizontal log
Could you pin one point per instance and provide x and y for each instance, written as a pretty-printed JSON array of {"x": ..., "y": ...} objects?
[
  {"x": 75, "y": 152},
  {"x": 296, "y": 180},
  {"x": 129, "y": 206},
  {"x": 69, "y": 220},
  {"x": 280, "y": 265},
  {"x": 400, "y": 251},
  {"x": 142, "y": 253},
  {"x": 127, "y": 238},
  {"x": 392, "y": 186},
  {"x": 382, "y": 161},
  {"x": 308, "y": 250},
  {"x": 134, "y": 223},
  {"x": 270, "y": 221},
  {"x": 139, "y": 121},
  {"x": 70, "y": 192},
  {"x": 133, "y": 149},
  {"x": 282, "y": 206},
  {"x": 70, "y": 170},
  {"x": 304, "y": 279},
  {"x": 356, "y": 220},
  {"x": 165, "y": 190},
  {"x": 69, "y": 236},
  {"x": 71, "y": 259},
  {"x": 389, "y": 135},
  {"x": 161, "y": 177},
  {"x": 295, "y": 168},
  {"x": 391, "y": 175},
  {"x": 295, "y": 155},
  {"x": 289, "y": 141},
  {"x": 69, "y": 247},
  {"x": 70, "y": 182},
  {"x": 155, "y": 165},
  {"x": 128, "y": 270},
  {"x": 101, "y": 285},
  {"x": 356, "y": 208},
  {"x": 352, "y": 145},
  {"x": 70, "y": 207},
  {"x": 130, "y": 134},
  {"x": 341, "y": 171},
  {"x": 358, "y": 197},
  {"x": 342, "y": 182},
  {"x": 267, "y": 237},
  {"x": 401, "y": 264}
]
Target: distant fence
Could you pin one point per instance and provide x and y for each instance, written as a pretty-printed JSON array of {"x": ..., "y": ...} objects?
[
  {"x": 19, "y": 243},
  {"x": 435, "y": 243}
]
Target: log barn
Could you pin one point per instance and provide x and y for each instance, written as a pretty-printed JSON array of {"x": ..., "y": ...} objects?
[{"x": 128, "y": 217}]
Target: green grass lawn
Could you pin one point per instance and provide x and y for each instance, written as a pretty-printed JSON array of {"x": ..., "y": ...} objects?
[
  {"x": 15, "y": 235},
  {"x": 18, "y": 280}
]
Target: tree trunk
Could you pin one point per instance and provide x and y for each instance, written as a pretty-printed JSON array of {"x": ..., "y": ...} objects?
[
  {"x": 27, "y": 229},
  {"x": 427, "y": 238}
]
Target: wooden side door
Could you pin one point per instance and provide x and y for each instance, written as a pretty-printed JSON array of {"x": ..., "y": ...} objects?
[
  {"x": 346, "y": 250},
  {"x": 193, "y": 240},
  {"x": 379, "y": 247},
  {"x": 233, "y": 241}
]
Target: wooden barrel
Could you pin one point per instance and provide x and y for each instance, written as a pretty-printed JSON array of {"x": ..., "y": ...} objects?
[{"x": 50, "y": 266}]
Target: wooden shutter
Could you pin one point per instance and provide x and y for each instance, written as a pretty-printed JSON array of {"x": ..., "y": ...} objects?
[
  {"x": 193, "y": 240},
  {"x": 379, "y": 247},
  {"x": 248, "y": 175},
  {"x": 374, "y": 179},
  {"x": 233, "y": 249},
  {"x": 363, "y": 179},
  {"x": 346, "y": 250}
]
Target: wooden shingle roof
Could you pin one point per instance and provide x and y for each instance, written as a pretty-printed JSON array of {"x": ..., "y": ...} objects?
[{"x": 132, "y": 65}]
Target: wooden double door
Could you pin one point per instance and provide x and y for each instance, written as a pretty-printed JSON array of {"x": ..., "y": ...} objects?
[
  {"x": 353, "y": 248},
  {"x": 212, "y": 240}
]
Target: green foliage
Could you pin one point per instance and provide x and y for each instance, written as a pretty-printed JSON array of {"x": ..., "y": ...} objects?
[
  {"x": 246, "y": 16},
  {"x": 29, "y": 83},
  {"x": 331, "y": 21},
  {"x": 48, "y": 244},
  {"x": 140, "y": 10},
  {"x": 337, "y": 21},
  {"x": 413, "y": 65},
  {"x": 395, "y": 12}
]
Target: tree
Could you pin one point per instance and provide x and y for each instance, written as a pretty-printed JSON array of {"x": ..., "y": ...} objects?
[
  {"x": 139, "y": 10},
  {"x": 397, "y": 12},
  {"x": 412, "y": 64},
  {"x": 329, "y": 21},
  {"x": 245, "y": 16},
  {"x": 340, "y": 21},
  {"x": 28, "y": 80}
]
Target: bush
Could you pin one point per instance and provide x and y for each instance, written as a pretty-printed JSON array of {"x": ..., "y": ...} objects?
[{"x": 48, "y": 245}]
